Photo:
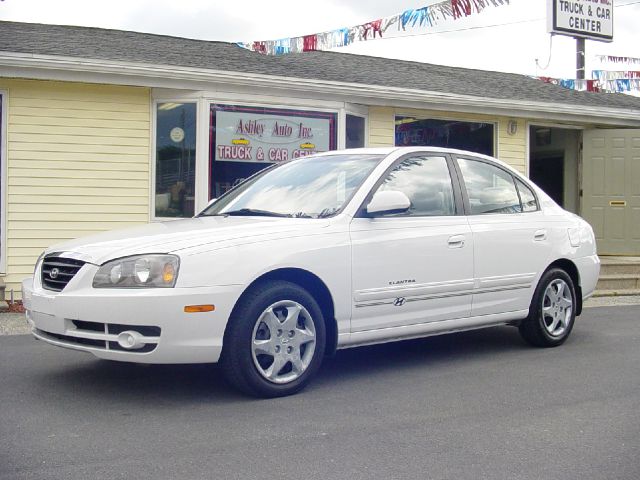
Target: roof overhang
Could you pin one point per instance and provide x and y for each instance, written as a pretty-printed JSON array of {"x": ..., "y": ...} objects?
[{"x": 19, "y": 65}]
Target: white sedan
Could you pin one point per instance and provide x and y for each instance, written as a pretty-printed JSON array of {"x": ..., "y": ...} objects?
[{"x": 325, "y": 252}]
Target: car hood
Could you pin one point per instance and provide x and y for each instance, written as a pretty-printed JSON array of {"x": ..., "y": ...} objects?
[{"x": 176, "y": 235}]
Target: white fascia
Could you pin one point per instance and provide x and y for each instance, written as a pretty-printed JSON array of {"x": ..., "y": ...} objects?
[{"x": 165, "y": 76}]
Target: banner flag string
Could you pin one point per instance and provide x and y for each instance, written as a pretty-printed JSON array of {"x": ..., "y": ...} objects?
[{"x": 428, "y": 16}]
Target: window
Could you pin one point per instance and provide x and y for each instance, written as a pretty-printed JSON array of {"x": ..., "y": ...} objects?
[
  {"x": 244, "y": 140},
  {"x": 427, "y": 183},
  {"x": 472, "y": 136},
  {"x": 490, "y": 189},
  {"x": 175, "y": 159},
  {"x": 527, "y": 198},
  {"x": 355, "y": 132}
]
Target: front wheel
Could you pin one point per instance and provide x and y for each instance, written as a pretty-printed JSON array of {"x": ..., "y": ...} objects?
[
  {"x": 552, "y": 312},
  {"x": 275, "y": 340}
]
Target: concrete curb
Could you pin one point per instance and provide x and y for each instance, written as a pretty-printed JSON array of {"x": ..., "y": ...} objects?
[{"x": 13, "y": 324}]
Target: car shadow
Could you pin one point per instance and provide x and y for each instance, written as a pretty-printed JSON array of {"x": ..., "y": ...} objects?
[
  {"x": 432, "y": 352},
  {"x": 130, "y": 382}
]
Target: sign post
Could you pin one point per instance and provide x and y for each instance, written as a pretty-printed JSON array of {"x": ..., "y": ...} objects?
[{"x": 581, "y": 19}]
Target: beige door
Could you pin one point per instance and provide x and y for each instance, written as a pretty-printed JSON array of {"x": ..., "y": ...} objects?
[{"x": 611, "y": 189}]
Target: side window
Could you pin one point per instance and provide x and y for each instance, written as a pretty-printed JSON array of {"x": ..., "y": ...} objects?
[
  {"x": 490, "y": 189},
  {"x": 427, "y": 183},
  {"x": 528, "y": 199}
]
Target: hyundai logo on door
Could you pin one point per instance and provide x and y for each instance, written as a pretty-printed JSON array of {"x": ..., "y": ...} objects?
[{"x": 400, "y": 301}]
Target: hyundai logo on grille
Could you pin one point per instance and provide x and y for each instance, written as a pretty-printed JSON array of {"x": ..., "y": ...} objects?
[
  {"x": 398, "y": 302},
  {"x": 54, "y": 273}
]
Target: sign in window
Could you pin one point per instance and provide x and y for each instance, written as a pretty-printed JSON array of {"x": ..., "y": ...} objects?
[{"x": 244, "y": 140}]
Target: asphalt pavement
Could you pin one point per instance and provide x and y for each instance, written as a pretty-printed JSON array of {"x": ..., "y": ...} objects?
[{"x": 473, "y": 405}]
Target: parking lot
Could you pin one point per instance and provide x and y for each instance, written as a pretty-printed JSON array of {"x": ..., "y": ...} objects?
[{"x": 473, "y": 405}]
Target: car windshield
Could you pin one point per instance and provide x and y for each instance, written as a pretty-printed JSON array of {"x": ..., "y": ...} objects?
[{"x": 309, "y": 187}]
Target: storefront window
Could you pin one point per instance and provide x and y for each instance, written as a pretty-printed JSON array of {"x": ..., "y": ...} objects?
[
  {"x": 175, "y": 159},
  {"x": 355, "y": 131},
  {"x": 471, "y": 136},
  {"x": 244, "y": 140}
]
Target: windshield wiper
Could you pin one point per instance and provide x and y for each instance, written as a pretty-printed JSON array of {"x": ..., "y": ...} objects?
[
  {"x": 327, "y": 212},
  {"x": 252, "y": 212}
]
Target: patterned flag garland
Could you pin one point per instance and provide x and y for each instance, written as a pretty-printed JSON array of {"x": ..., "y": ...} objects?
[
  {"x": 618, "y": 85},
  {"x": 614, "y": 75},
  {"x": 616, "y": 59},
  {"x": 415, "y": 18}
]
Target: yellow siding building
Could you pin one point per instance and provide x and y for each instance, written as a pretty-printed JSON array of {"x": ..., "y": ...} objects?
[
  {"x": 77, "y": 163},
  {"x": 103, "y": 129}
]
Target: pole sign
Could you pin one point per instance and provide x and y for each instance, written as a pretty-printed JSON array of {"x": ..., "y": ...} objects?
[{"x": 592, "y": 19}]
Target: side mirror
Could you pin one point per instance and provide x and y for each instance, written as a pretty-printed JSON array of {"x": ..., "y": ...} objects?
[{"x": 389, "y": 201}]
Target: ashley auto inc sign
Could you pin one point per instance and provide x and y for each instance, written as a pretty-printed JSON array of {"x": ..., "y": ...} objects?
[
  {"x": 592, "y": 19},
  {"x": 244, "y": 135}
]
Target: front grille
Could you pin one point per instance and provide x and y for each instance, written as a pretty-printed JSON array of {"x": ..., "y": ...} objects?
[
  {"x": 116, "y": 328},
  {"x": 58, "y": 271}
]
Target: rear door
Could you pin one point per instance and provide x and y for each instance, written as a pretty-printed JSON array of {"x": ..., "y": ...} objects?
[
  {"x": 511, "y": 238},
  {"x": 414, "y": 267}
]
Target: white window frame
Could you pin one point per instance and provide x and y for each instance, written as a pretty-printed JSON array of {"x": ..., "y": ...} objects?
[
  {"x": 154, "y": 153},
  {"x": 495, "y": 123},
  {"x": 202, "y": 195},
  {"x": 355, "y": 111},
  {"x": 4, "y": 113},
  {"x": 205, "y": 98}
]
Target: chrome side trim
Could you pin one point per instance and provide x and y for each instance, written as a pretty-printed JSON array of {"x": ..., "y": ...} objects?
[{"x": 445, "y": 295}]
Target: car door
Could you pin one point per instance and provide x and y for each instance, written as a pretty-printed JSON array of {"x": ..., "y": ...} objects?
[
  {"x": 511, "y": 239},
  {"x": 417, "y": 266}
]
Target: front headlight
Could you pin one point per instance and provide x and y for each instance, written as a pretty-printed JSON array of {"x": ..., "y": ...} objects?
[{"x": 139, "y": 271}]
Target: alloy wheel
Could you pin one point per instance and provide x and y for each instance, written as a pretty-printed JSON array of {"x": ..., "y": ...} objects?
[{"x": 283, "y": 341}]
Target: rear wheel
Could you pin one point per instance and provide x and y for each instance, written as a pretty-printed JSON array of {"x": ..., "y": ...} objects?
[
  {"x": 552, "y": 312},
  {"x": 275, "y": 340}
]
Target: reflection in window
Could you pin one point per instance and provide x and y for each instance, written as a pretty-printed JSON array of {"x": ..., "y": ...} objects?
[
  {"x": 490, "y": 189},
  {"x": 355, "y": 132},
  {"x": 528, "y": 199},
  {"x": 175, "y": 159},
  {"x": 426, "y": 181},
  {"x": 307, "y": 188},
  {"x": 471, "y": 136}
]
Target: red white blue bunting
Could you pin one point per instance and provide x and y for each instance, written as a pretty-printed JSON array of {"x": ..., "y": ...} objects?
[
  {"x": 398, "y": 25},
  {"x": 616, "y": 59},
  {"x": 619, "y": 85}
]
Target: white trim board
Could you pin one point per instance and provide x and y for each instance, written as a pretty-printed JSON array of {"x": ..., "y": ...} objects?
[{"x": 166, "y": 76}]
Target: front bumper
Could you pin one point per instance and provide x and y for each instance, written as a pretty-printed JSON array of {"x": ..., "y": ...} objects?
[{"x": 90, "y": 320}]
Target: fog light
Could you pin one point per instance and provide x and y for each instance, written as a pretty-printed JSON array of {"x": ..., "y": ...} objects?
[{"x": 130, "y": 340}]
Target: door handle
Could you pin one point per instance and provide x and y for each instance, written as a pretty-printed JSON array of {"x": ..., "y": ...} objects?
[
  {"x": 540, "y": 235},
  {"x": 456, "y": 241}
]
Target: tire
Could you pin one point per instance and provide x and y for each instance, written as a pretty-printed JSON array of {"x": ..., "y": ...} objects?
[
  {"x": 552, "y": 312},
  {"x": 275, "y": 340}
]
